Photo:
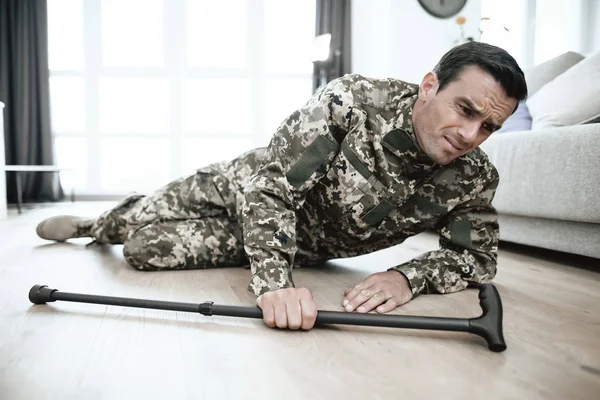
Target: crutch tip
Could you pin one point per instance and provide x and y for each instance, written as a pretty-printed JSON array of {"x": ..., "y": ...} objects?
[{"x": 40, "y": 294}]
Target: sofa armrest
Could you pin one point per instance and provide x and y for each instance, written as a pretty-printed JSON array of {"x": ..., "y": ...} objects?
[{"x": 549, "y": 173}]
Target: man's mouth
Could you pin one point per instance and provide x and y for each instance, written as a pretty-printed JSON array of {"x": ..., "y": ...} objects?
[{"x": 453, "y": 144}]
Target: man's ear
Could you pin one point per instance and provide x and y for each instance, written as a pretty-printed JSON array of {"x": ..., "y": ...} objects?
[{"x": 429, "y": 86}]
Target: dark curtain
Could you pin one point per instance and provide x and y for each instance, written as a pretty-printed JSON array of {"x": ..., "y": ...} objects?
[
  {"x": 24, "y": 90},
  {"x": 333, "y": 16}
]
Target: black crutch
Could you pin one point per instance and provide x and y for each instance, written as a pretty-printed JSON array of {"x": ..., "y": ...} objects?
[{"x": 488, "y": 325}]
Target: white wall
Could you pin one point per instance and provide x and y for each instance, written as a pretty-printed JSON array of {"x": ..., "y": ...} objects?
[
  {"x": 509, "y": 27},
  {"x": 397, "y": 38}
]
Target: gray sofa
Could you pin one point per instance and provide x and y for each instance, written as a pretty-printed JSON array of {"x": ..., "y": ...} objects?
[{"x": 549, "y": 192}]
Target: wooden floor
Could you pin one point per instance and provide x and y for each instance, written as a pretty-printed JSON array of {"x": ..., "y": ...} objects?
[{"x": 68, "y": 350}]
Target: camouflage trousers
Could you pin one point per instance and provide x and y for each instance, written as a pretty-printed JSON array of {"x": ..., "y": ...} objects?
[{"x": 183, "y": 225}]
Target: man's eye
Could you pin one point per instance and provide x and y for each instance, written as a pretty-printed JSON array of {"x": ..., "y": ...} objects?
[
  {"x": 466, "y": 110},
  {"x": 488, "y": 128}
]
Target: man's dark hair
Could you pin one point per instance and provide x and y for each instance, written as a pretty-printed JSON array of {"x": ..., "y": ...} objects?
[{"x": 492, "y": 59}]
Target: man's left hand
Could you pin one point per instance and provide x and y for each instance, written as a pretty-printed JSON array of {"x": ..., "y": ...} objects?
[{"x": 382, "y": 290}]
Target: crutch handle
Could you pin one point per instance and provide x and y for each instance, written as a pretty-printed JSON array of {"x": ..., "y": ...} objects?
[{"x": 489, "y": 324}]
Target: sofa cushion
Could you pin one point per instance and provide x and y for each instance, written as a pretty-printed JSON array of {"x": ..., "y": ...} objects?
[
  {"x": 571, "y": 98},
  {"x": 554, "y": 234},
  {"x": 520, "y": 120},
  {"x": 549, "y": 173},
  {"x": 541, "y": 74}
]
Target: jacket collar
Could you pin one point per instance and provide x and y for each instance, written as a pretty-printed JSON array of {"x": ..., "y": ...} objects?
[{"x": 402, "y": 140}]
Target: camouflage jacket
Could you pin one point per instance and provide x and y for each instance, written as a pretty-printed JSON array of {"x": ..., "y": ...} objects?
[{"x": 344, "y": 176}]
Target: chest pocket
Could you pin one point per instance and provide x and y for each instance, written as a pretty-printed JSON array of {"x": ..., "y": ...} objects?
[
  {"x": 434, "y": 199},
  {"x": 356, "y": 200}
]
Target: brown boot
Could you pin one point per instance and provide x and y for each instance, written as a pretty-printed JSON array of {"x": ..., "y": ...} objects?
[{"x": 63, "y": 227}]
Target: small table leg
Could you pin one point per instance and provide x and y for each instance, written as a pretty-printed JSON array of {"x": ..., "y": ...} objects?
[{"x": 19, "y": 194}]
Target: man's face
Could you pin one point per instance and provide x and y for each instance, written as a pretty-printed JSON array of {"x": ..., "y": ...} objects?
[{"x": 450, "y": 123}]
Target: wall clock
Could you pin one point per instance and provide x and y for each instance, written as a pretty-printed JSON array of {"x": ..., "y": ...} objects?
[{"x": 443, "y": 8}]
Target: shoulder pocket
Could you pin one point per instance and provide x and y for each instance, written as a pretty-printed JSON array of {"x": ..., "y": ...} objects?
[{"x": 320, "y": 151}]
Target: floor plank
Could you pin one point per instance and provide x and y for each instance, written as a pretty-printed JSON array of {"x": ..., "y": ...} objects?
[{"x": 76, "y": 350}]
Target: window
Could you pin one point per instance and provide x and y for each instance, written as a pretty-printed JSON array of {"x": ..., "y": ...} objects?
[
  {"x": 132, "y": 33},
  {"x": 538, "y": 30},
  {"x": 217, "y": 33},
  {"x": 144, "y": 91},
  {"x": 560, "y": 27}
]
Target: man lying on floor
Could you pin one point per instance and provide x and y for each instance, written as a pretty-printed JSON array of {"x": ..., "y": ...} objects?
[{"x": 362, "y": 166}]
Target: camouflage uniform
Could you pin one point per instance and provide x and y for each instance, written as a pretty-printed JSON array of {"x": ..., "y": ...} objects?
[{"x": 342, "y": 176}]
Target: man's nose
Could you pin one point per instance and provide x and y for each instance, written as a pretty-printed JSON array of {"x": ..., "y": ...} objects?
[{"x": 470, "y": 131}]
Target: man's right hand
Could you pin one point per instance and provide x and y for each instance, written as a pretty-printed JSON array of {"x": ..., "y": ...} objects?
[{"x": 292, "y": 308}]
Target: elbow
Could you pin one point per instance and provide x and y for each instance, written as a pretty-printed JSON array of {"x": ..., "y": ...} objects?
[{"x": 268, "y": 193}]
